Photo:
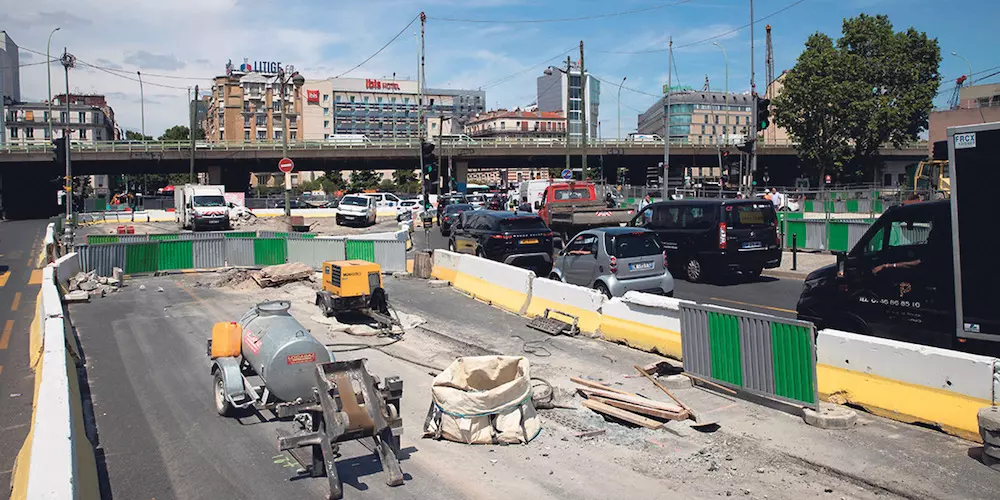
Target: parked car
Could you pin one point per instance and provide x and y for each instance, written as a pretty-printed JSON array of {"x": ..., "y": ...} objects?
[
  {"x": 615, "y": 260},
  {"x": 451, "y": 214},
  {"x": 356, "y": 209},
  {"x": 477, "y": 200},
  {"x": 715, "y": 237},
  {"x": 293, "y": 203},
  {"x": 383, "y": 199},
  {"x": 516, "y": 238}
]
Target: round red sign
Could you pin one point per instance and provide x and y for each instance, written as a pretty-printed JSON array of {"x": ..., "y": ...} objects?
[{"x": 286, "y": 165}]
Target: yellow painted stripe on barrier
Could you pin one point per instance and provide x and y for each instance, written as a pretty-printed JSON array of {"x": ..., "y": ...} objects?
[
  {"x": 510, "y": 300},
  {"x": 19, "y": 475},
  {"x": 641, "y": 336},
  {"x": 589, "y": 320},
  {"x": 409, "y": 266},
  {"x": 954, "y": 413},
  {"x": 83, "y": 450},
  {"x": 35, "y": 334},
  {"x": 441, "y": 273}
]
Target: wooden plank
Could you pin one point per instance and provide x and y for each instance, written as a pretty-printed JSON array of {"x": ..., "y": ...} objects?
[
  {"x": 623, "y": 415},
  {"x": 709, "y": 382},
  {"x": 644, "y": 410},
  {"x": 597, "y": 385},
  {"x": 636, "y": 400}
]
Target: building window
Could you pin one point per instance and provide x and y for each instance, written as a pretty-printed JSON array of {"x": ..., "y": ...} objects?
[
  {"x": 326, "y": 137},
  {"x": 82, "y": 117},
  {"x": 47, "y": 135},
  {"x": 275, "y": 106},
  {"x": 63, "y": 117},
  {"x": 261, "y": 135},
  {"x": 337, "y": 98},
  {"x": 326, "y": 97},
  {"x": 13, "y": 133},
  {"x": 246, "y": 106},
  {"x": 277, "y": 135},
  {"x": 291, "y": 121},
  {"x": 29, "y": 133},
  {"x": 261, "y": 120},
  {"x": 326, "y": 123},
  {"x": 326, "y": 111},
  {"x": 291, "y": 135},
  {"x": 246, "y": 135},
  {"x": 83, "y": 133},
  {"x": 702, "y": 129},
  {"x": 352, "y": 99},
  {"x": 713, "y": 130},
  {"x": 97, "y": 117}
]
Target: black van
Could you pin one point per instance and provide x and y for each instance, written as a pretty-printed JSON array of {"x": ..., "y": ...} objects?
[
  {"x": 516, "y": 238},
  {"x": 897, "y": 282},
  {"x": 715, "y": 237}
]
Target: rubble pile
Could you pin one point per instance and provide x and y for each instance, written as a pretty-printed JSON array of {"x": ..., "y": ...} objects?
[
  {"x": 89, "y": 284},
  {"x": 272, "y": 276}
]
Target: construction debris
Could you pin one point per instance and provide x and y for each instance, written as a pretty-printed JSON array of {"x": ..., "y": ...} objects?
[
  {"x": 281, "y": 274},
  {"x": 698, "y": 421},
  {"x": 628, "y": 407},
  {"x": 92, "y": 284}
]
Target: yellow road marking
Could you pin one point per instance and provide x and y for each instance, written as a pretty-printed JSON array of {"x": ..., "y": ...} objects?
[
  {"x": 1, "y": 369},
  {"x": 4, "y": 276},
  {"x": 31, "y": 263},
  {"x": 36, "y": 277},
  {"x": 755, "y": 305},
  {"x": 17, "y": 300},
  {"x": 5, "y": 336}
]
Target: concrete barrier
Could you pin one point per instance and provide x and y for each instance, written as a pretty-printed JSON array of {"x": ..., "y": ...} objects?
[
  {"x": 644, "y": 321},
  {"x": 505, "y": 286},
  {"x": 67, "y": 266},
  {"x": 445, "y": 265},
  {"x": 584, "y": 303},
  {"x": 906, "y": 382}
]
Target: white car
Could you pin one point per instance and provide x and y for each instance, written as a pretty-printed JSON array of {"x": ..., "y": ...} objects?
[
  {"x": 477, "y": 200},
  {"x": 411, "y": 207},
  {"x": 356, "y": 209}
]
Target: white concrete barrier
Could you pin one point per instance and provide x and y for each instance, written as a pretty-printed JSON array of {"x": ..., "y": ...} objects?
[
  {"x": 644, "y": 321},
  {"x": 445, "y": 265},
  {"x": 585, "y": 303},
  {"x": 67, "y": 266},
  {"x": 906, "y": 382},
  {"x": 506, "y": 286}
]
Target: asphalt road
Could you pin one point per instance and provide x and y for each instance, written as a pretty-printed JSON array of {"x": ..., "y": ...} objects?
[
  {"x": 20, "y": 242},
  {"x": 777, "y": 296}
]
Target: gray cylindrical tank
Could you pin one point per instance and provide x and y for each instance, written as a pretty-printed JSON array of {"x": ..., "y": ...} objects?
[{"x": 281, "y": 350}]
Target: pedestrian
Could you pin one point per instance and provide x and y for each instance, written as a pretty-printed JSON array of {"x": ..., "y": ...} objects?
[{"x": 646, "y": 200}]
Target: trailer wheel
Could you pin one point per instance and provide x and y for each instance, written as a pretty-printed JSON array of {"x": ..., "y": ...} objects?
[{"x": 222, "y": 404}]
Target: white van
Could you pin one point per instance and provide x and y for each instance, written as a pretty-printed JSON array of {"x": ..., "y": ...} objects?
[
  {"x": 383, "y": 200},
  {"x": 634, "y": 137}
]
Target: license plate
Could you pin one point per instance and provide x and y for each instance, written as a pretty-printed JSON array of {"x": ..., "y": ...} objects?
[
  {"x": 530, "y": 241},
  {"x": 640, "y": 266},
  {"x": 751, "y": 244}
]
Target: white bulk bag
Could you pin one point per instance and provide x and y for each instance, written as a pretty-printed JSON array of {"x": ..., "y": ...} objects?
[{"x": 483, "y": 400}]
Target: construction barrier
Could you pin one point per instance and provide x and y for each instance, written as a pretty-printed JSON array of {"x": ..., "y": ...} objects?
[
  {"x": 57, "y": 459},
  {"x": 820, "y": 234},
  {"x": 757, "y": 353},
  {"x": 644, "y": 321},
  {"x": 445, "y": 265},
  {"x": 584, "y": 303},
  {"x": 101, "y": 239},
  {"x": 907, "y": 382},
  {"x": 506, "y": 286}
]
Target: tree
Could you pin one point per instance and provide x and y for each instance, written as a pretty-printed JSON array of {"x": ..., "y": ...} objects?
[
  {"x": 842, "y": 101},
  {"x": 364, "y": 179},
  {"x": 136, "y": 136},
  {"x": 387, "y": 185},
  {"x": 405, "y": 181},
  {"x": 179, "y": 133}
]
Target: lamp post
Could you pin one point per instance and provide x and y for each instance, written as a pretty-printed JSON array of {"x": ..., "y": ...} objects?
[
  {"x": 68, "y": 61},
  {"x": 956, "y": 54},
  {"x": 142, "y": 106},
  {"x": 620, "y": 108},
  {"x": 298, "y": 81},
  {"x": 48, "y": 74}
]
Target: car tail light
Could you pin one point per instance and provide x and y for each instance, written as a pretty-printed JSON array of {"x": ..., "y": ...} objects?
[
  {"x": 722, "y": 236},
  {"x": 614, "y": 264},
  {"x": 664, "y": 258},
  {"x": 777, "y": 237},
  {"x": 501, "y": 237}
]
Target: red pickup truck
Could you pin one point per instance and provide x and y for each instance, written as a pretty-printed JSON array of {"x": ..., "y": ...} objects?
[{"x": 570, "y": 207}]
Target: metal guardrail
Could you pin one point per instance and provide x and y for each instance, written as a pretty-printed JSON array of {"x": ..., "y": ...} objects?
[{"x": 757, "y": 353}]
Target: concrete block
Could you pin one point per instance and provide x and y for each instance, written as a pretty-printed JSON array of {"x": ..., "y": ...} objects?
[
  {"x": 675, "y": 382},
  {"x": 507, "y": 287},
  {"x": 401, "y": 274},
  {"x": 579, "y": 301},
  {"x": 438, "y": 283},
  {"x": 77, "y": 296},
  {"x": 989, "y": 425},
  {"x": 88, "y": 285},
  {"x": 830, "y": 417},
  {"x": 643, "y": 321}
]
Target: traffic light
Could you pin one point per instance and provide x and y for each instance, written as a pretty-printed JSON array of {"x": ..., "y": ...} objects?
[
  {"x": 430, "y": 174},
  {"x": 747, "y": 146},
  {"x": 59, "y": 148},
  {"x": 763, "y": 113}
]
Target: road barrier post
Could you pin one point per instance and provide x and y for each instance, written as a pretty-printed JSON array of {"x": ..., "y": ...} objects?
[{"x": 795, "y": 252}]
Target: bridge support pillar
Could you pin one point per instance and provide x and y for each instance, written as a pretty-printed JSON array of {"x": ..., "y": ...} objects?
[
  {"x": 461, "y": 175},
  {"x": 214, "y": 174}
]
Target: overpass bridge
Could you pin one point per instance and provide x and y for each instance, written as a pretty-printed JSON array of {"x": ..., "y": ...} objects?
[{"x": 32, "y": 166}]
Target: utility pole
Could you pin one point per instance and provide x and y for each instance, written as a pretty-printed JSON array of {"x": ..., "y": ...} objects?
[
  {"x": 568, "y": 136},
  {"x": 142, "y": 106},
  {"x": 583, "y": 114},
  {"x": 420, "y": 111},
  {"x": 68, "y": 61},
  {"x": 194, "y": 120},
  {"x": 440, "y": 151},
  {"x": 666, "y": 122},
  {"x": 753, "y": 109},
  {"x": 769, "y": 73}
]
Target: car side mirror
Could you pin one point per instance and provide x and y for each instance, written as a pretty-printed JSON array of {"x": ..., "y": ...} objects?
[
  {"x": 841, "y": 263},
  {"x": 538, "y": 205},
  {"x": 188, "y": 206},
  {"x": 557, "y": 243}
]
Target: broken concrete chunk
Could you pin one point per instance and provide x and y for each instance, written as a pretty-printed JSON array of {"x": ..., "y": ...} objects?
[
  {"x": 88, "y": 285},
  {"x": 77, "y": 296}
]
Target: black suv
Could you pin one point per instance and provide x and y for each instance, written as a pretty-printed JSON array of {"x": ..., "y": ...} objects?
[
  {"x": 448, "y": 199},
  {"x": 516, "y": 238}
]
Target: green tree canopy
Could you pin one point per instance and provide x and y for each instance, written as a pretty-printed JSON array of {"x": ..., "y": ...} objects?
[
  {"x": 180, "y": 133},
  {"x": 364, "y": 179},
  {"x": 843, "y": 100},
  {"x": 136, "y": 136}
]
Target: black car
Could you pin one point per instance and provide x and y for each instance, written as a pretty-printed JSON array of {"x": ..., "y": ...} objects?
[
  {"x": 514, "y": 238},
  {"x": 448, "y": 199},
  {"x": 450, "y": 215},
  {"x": 715, "y": 237}
]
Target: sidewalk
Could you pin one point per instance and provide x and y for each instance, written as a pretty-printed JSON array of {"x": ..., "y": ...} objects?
[{"x": 807, "y": 262}]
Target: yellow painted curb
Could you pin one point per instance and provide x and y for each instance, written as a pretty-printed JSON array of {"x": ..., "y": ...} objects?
[
  {"x": 409, "y": 266},
  {"x": 952, "y": 412},
  {"x": 640, "y": 336},
  {"x": 589, "y": 320},
  {"x": 441, "y": 273},
  {"x": 510, "y": 300}
]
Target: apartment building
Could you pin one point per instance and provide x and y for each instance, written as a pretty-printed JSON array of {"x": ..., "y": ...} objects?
[
  {"x": 504, "y": 125},
  {"x": 90, "y": 119},
  {"x": 245, "y": 106}
]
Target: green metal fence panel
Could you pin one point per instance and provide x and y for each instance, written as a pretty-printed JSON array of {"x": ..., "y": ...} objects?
[
  {"x": 141, "y": 258},
  {"x": 724, "y": 334},
  {"x": 829, "y": 206},
  {"x": 270, "y": 251},
  {"x": 97, "y": 239},
  {"x": 797, "y": 228},
  {"x": 810, "y": 206},
  {"x": 852, "y": 206},
  {"x": 361, "y": 250},
  {"x": 240, "y": 234},
  {"x": 794, "y": 366},
  {"x": 309, "y": 236},
  {"x": 175, "y": 255},
  {"x": 100, "y": 204},
  {"x": 164, "y": 237},
  {"x": 877, "y": 206},
  {"x": 837, "y": 237}
]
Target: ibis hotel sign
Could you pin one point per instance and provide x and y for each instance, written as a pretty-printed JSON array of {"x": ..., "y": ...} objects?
[
  {"x": 373, "y": 84},
  {"x": 263, "y": 67}
]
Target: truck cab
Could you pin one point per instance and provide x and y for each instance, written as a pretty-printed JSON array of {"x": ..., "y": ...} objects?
[
  {"x": 570, "y": 207},
  {"x": 202, "y": 207}
]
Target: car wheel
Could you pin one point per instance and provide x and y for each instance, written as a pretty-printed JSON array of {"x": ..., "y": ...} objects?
[
  {"x": 555, "y": 277},
  {"x": 451, "y": 246},
  {"x": 480, "y": 253},
  {"x": 693, "y": 271},
  {"x": 601, "y": 287},
  {"x": 222, "y": 404},
  {"x": 753, "y": 275},
  {"x": 339, "y": 222}
]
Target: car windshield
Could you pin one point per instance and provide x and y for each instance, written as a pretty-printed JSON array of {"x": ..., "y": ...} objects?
[
  {"x": 750, "y": 215},
  {"x": 638, "y": 244},
  {"x": 209, "y": 201},
  {"x": 477, "y": 197},
  {"x": 356, "y": 201},
  {"x": 522, "y": 224},
  {"x": 457, "y": 208}
]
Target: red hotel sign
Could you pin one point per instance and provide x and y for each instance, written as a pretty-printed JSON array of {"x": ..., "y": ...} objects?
[
  {"x": 312, "y": 96},
  {"x": 371, "y": 83}
]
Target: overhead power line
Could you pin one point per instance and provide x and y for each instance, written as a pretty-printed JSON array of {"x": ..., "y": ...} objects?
[
  {"x": 562, "y": 19},
  {"x": 379, "y": 51},
  {"x": 520, "y": 72}
]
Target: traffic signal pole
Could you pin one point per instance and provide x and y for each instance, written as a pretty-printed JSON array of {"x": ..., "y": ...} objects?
[
  {"x": 753, "y": 111},
  {"x": 420, "y": 112}
]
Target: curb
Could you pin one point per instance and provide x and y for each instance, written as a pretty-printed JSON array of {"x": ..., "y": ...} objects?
[{"x": 794, "y": 275}]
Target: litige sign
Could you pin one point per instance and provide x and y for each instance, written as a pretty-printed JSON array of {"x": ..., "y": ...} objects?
[{"x": 266, "y": 67}]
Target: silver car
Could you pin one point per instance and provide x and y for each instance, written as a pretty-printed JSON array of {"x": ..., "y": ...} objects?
[{"x": 615, "y": 260}]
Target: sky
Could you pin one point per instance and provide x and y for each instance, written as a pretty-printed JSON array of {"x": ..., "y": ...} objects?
[{"x": 178, "y": 44}]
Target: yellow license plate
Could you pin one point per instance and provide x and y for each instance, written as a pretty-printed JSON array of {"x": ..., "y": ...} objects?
[{"x": 531, "y": 241}]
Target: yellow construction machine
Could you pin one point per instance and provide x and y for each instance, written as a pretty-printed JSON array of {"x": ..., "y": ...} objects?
[{"x": 354, "y": 286}]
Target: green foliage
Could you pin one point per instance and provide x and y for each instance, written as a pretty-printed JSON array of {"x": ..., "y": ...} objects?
[
  {"x": 364, "y": 179},
  {"x": 405, "y": 181},
  {"x": 387, "y": 185},
  {"x": 136, "y": 136},
  {"x": 842, "y": 101},
  {"x": 180, "y": 133}
]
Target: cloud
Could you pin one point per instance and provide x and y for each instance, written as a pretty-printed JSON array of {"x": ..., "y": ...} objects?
[
  {"x": 25, "y": 56},
  {"x": 148, "y": 60},
  {"x": 108, "y": 64},
  {"x": 42, "y": 19}
]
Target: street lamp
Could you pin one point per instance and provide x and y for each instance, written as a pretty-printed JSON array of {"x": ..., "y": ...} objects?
[
  {"x": 48, "y": 73},
  {"x": 298, "y": 81},
  {"x": 142, "y": 106},
  {"x": 956, "y": 54},
  {"x": 620, "y": 108}
]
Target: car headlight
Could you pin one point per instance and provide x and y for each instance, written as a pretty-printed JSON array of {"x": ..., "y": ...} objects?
[{"x": 809, "y": 285}]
